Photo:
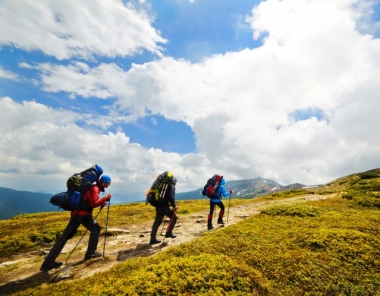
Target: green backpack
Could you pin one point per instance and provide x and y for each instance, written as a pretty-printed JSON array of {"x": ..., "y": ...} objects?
[{"x": 156, "y": 193}]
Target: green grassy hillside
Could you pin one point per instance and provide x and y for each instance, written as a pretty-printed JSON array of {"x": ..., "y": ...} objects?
[{"x": 325, "y": 247}]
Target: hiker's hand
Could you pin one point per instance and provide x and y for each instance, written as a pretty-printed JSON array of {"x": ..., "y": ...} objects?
[
  {"x": 176, "y": 208},
  {"x": 108, "y": 196},
  {"x": 231, "y": 192}
]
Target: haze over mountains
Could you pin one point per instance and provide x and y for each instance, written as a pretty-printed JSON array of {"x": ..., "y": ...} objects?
[{"x": 14, "y": 202}]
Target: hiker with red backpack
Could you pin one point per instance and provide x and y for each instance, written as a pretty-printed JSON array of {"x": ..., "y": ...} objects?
[
  {"x": 82, "y": 216},
  {"x": 216, "y": 200}
]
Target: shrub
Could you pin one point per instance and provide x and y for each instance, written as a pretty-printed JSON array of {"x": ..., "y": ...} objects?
[
  {"x": 294, "y": 211},
  {"x": 346, "y": 195},
  {"x": 368, "y": 202},
  {"x": 369, "y": 175}
]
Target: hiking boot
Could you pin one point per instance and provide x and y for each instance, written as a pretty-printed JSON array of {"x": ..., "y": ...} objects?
[
  {"x": 220, "y": 220},
  {"x": 93, "y": 255},
  {"x": 209, "y": 225},
  {"x": 171, "y": 235},
  {"x": 47, "y": 267},
  {"x": 154, "y": 241}
]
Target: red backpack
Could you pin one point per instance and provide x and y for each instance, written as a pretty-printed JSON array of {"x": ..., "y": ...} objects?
[{"x": 212, "y": 186}]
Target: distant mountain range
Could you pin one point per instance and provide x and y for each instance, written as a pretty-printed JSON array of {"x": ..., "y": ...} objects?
[
  {"x": 13, "y": 202},
  {"x": 245, "y": 188}
]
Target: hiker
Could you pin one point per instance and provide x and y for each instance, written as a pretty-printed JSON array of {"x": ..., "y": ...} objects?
[
  {"x": 216, "y": 201},
  {"x": 163, "y": 209},
  {"x": 85, "y": 218}
]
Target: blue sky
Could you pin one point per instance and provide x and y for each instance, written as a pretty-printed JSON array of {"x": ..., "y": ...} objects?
[{"x": 285, "y": 90}]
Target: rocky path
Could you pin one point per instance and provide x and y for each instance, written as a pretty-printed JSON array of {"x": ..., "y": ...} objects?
[{"x": 120, "y": 245}]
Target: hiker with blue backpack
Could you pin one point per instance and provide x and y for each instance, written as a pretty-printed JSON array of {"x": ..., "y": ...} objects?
[
  {"x": 82, "y": 216},
  {"x": 216, "y": 184}
]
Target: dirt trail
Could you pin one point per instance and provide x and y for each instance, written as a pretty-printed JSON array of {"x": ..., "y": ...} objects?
[{"x": 121, "y": 245}]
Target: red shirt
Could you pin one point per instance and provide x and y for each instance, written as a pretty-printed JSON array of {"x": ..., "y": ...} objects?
[{"x": 92, "y": 196}]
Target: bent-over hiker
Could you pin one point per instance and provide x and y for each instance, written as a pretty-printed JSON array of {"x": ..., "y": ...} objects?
[
  {"x": 163, "y": 209},
  {"x": 82, "y": 217},
  {"x": 216, "y": 201}
]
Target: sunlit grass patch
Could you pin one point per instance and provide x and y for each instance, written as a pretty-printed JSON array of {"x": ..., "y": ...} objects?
[
  {"x": 161, "y": 275},
  {"x": 284, "y": 194},
  {"x": 299, "y": 211},
  {"x": 335, "y": 251}
]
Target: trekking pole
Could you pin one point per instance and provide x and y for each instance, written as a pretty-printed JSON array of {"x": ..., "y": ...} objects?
[
  {"x": 163, "y": 225},
  {"x": 105, "y": 234},
  {"x": 170, "y": 224},
  {"x": 229, "y": 203},
  {"x": 82, "y": 236}
]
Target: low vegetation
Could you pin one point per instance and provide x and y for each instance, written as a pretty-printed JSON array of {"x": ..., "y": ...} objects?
[
  {"x": 324, "y": 247},
  {"x": 27, "y": 232}
]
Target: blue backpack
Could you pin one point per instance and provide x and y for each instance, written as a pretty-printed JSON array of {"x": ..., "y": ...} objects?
[{"x": 77, "y": 185}]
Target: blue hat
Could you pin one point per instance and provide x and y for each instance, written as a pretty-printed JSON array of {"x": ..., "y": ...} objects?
[{"x": 105, "y": 179}]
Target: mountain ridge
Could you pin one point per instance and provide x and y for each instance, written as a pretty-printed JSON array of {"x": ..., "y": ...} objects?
[
  {"x": 246, "y": 188},
  {"x": 15, "y": 202}
]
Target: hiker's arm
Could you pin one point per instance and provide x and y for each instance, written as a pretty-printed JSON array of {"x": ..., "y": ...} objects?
[
  {"x": 93, "y": 198},
  {"x": 224, "y": 191},
  {"x": 171, "y": 197}
]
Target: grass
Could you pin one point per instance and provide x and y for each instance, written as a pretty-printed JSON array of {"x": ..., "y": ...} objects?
[{"x": 324, "y": 247}]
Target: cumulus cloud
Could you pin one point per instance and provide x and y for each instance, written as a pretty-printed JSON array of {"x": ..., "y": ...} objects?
[
  {"x": 241, "y": 106},
  {"x": 43, "y": 146},
  {"x": 81, "y": 29}
]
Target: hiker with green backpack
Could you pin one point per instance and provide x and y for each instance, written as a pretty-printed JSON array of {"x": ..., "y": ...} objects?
[
  {"x": 161, "y": 195},
  {"x": 82, "y": 216}
]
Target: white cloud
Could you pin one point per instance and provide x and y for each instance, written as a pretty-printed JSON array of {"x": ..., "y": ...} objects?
[
  {"x": 25, "y": 65},
  {"x": 8, "y": 74},
  {"x": 41, "y": 145},
  {"x": 81, "y": 29},
  {"x": 79, "y": 79},
  {"x": 239, "y": 105}
]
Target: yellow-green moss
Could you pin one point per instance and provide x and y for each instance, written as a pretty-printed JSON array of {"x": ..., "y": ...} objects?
[{"x": 325, "y": 247}]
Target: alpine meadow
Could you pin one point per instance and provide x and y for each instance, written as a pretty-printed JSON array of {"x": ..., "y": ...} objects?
[
  {"x": 315, "y": 241},
  {"x": 190, "y": 147}
]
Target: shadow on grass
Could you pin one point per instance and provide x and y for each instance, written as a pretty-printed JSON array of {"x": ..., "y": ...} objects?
[
  {"x": 39, "y": 278},
  {"x": 141, "y": 250},
  {"x": 32, "y": 281}
]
